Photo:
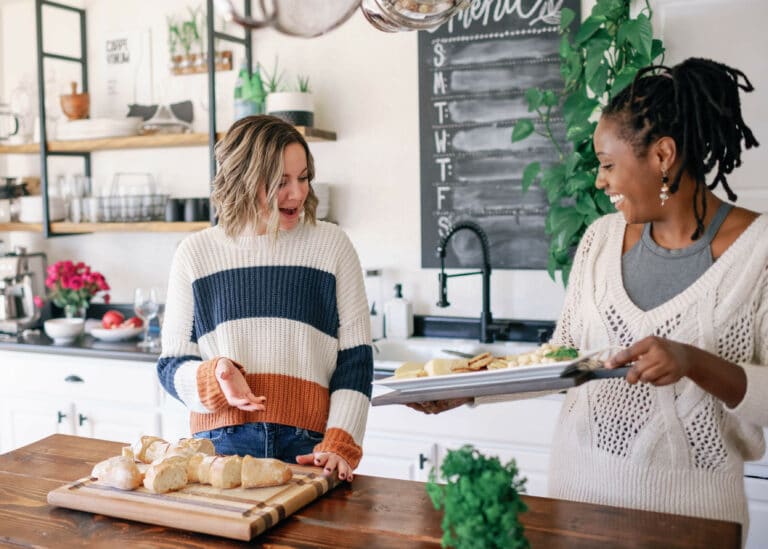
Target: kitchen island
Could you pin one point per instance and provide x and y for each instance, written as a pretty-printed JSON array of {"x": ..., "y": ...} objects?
[{"x": 370, "y": 512}]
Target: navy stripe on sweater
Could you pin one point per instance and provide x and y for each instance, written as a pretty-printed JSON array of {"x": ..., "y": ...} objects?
[
  {"x": 354, "y": 370},
  {"x": 166, "y": 370},
  {"x": 296, "y": 293}
]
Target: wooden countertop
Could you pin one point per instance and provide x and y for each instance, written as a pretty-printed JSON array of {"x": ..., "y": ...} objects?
[{"x": 369, "y": 513}]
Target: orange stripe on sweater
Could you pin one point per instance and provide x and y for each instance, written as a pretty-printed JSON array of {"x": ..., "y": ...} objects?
[
  {"x": 340, "y": 442},
  {"x": 290, "y": 401}
]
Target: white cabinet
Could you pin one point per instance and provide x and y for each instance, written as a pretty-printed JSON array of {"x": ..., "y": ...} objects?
[
  {"x": 45, "y": 394},
  {"x": 403, "y": 443}
]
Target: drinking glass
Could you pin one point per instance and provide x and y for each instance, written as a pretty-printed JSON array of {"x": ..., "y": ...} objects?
[{"x": 146, "y": 304}]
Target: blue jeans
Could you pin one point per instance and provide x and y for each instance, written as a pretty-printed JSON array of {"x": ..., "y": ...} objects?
[{"x": 263, "y": 440}]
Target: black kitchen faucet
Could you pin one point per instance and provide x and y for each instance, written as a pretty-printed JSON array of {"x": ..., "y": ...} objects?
[{"x": 486, "y": 319}]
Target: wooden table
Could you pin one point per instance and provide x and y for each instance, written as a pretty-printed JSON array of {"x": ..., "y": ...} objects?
[{"x": 371, "y": 512}]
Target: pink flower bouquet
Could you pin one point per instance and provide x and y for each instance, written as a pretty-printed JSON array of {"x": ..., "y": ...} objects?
[{"x": 72, "y": 286}]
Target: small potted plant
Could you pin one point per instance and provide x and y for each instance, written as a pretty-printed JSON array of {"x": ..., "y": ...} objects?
[{"x": 296, "y": 107}]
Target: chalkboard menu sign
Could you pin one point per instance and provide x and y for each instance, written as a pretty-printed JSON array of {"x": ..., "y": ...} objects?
[{"x": 473, "y": 74}]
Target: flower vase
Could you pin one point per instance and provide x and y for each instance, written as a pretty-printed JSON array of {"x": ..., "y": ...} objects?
[{"x": 74, "y": 311}]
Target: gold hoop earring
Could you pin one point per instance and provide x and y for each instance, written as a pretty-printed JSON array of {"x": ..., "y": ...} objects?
[{"x": 664, "y": 194}]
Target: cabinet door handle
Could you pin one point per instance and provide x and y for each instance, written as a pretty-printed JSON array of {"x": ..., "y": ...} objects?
[
  {"x": 81, "y": 419},
  {"x": 73, "y": 379},
  {"x": 60, "y": 416},
  {"x": 422, "y": 460}
]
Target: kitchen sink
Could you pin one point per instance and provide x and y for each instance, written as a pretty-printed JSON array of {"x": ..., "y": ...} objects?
[{"x": 388, "y": 354}]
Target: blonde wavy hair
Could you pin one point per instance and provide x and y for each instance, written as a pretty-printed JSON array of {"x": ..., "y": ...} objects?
[{"x": 250, "y": 158}]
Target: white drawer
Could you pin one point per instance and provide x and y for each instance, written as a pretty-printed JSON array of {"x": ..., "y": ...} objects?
[{"x": 79, "y": 377}]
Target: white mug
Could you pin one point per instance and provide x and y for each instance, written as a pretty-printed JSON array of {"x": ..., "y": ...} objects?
[{"x": 9, "y": 123}]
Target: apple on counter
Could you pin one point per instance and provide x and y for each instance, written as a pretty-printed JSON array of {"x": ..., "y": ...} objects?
[{"x": 113, "y": 319}]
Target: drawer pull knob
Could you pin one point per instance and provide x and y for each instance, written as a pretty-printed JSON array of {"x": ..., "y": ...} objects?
[
  {"x": 73, "y": 379},
  {"x": 60, "y": 415},
  {"x": 81, "y": 419}
]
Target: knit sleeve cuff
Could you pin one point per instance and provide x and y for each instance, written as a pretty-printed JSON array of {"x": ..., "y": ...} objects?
[
  {"x": 211, "y": 395},
  {"x": 341, "y": 443},
  {"x": 752, "y": 407}
]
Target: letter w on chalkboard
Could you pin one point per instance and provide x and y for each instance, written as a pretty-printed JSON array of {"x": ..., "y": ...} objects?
[{"x": 473, "y": 74}]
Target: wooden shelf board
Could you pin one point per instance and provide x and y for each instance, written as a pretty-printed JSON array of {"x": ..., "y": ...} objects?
[
  {"x": 16, "y": 226},
  {"x": 27, "y": 148},
  {"x": 144, "y": 142},
  {"x": 139, "y": 226}
]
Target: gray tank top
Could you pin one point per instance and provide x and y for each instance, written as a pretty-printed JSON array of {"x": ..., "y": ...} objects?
[{"x": 653, "y": 275}]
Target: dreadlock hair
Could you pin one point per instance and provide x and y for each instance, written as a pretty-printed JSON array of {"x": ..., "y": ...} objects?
[{"x": 697, "y": 104}]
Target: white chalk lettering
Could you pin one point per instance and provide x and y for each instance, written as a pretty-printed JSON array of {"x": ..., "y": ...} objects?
[
  {"x": 445, "y": 167},
  {"x": 485, "y": 11},
  {"x": 441, "y": 196},
  {"x": 441, "y": 140},
  {"x": 439, "y": 86},
  {"x": 439, "y": 105}
]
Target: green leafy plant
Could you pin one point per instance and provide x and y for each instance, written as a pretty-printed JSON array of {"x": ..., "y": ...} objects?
[
  {"x": 481, "y": 501},
  {"x": 302, "y": 83},
  {"x": 599, "y": 61},
  {"x": 273, "y": 79}
]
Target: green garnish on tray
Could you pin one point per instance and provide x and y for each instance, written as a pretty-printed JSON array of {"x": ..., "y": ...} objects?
[{"x": 563, "y": 353}]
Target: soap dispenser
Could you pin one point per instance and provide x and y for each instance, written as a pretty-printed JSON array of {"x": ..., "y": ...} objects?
[{"x": 398, "y": 316}]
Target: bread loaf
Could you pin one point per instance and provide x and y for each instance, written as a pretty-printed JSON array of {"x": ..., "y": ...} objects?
[
  {"x": 225, "y": 472},
  {"x": 166, "y": 476},
  {"x": 119, "y": 472},
  {"x": 260, "y": 472}
]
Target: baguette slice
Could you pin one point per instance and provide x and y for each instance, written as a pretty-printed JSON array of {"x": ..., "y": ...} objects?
[
  {"x": 225, "y": 472},
  {"x": 141, "y": 447},
  {"x": 119, "y": 472},
  {"x": 204, "y": 469},
  {"x": 193, "y": 467},
  {"x": 261, "y": 472},
  {"x": 166, "y": 476},
  {"x": 198, "y": 445}
]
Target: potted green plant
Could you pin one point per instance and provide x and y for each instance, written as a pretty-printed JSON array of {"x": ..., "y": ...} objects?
[
  {"x": 599, "y": 61},
  {"x": 480, "y": 501},
  {"x": 295, "y": 106}
]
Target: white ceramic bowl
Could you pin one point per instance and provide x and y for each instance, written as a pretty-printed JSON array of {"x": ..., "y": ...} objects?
[{"x": 63, "y": 330}]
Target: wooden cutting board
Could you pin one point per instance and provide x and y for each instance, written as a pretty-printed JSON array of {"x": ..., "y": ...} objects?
[{"x": 237, "y": 513}]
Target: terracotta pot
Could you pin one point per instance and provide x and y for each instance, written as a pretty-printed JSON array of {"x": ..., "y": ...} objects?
[{"x": 76, "y": 105}]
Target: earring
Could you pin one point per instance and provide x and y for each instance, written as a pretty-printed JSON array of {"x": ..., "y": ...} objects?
[{"x": 664, "y": 194}]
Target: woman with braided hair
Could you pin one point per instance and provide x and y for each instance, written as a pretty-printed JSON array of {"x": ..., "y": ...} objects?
[{"x": 678, "y": 279}]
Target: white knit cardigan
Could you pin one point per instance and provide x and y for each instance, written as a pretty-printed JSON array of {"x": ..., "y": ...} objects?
[{"x": 677, "y": 448}]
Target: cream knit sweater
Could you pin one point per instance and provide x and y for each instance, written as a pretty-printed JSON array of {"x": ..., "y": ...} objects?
[{"x": 677, "y": 448}]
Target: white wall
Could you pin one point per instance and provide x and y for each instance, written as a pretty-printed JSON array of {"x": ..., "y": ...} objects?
[{"x": 366, "y": 89}]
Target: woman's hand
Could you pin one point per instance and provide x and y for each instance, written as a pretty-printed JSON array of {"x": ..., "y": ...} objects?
[
  {"x": 329, "y": 462},
  {"x": 657, "y": 360},
  {"x": 235, "y": 387},
  {"x": 439, "y": 406}
]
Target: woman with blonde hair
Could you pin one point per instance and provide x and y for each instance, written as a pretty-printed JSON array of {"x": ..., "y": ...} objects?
[{"x": 269, "y": 302}]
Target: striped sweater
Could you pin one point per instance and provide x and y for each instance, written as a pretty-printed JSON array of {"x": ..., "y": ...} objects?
[{"x": 292, "y": 314}]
